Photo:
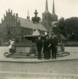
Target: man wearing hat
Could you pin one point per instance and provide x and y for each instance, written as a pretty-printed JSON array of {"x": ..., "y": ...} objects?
[
  {"x": 46, "y": 47},
  {"x": 39, "y": 45},
  {"x": 54, "y": 44}
]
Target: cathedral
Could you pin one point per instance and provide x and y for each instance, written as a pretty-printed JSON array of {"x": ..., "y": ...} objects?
[
  {"x": 48, "y": 19},
  {"x": 13, "y": 26}
]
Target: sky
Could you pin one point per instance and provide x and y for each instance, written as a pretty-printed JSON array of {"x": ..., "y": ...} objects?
[{"x": 63, "y": 8}]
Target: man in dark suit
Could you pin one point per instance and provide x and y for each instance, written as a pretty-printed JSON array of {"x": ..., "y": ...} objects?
[
  {"x": 39, "y": 45},
  {"x": 54, "y": 44},
  {"x": 46, "y": 48}
]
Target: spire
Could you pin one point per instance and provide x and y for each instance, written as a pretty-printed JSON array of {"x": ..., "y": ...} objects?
[
  {"x": 28, "y": 17},
  {"x": 46, "y": 6},
  {"x": 53, "y": 12}
]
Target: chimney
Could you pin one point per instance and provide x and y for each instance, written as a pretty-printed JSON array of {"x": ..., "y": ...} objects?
[
  {"x": 4, "y": 16},
  {"x": 8, "y": 10},
  {"x": 11, "y": 11},
  {"x": 16, "y": 15},
  {"x": 28, "y": 17}
]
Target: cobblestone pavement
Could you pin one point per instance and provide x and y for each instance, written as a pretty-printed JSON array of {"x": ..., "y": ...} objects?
[
  {"x": 43, "y": 70},
  {"x": 46, "y": 70}
]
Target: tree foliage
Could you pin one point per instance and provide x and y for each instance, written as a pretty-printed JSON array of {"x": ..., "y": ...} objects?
[{"x": 69, "y": 28}]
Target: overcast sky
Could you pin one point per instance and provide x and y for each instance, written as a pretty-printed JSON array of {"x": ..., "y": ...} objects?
[{"x": 64, "y": 8}]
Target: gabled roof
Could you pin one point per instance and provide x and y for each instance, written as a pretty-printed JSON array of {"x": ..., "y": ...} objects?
[
  {"x": 29, "y": 24},
  {"x": 39, "y": 26},
  {"x": 25, "y": 23}
]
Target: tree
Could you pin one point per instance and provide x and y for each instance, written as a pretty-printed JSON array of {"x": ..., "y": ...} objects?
[{"x": 69, "y": 28}]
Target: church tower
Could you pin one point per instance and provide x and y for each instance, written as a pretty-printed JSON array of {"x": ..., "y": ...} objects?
[
  {"x": 46, "y": 17},
  {"x": 54, "y": 16}
]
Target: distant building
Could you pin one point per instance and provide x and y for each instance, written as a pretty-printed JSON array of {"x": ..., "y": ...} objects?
[
  {"x": 13, "y": 26},
  {"x": 49, "y": 19}
]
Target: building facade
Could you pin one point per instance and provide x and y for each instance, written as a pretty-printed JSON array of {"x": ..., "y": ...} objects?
[{"x": 13, "y": 26}]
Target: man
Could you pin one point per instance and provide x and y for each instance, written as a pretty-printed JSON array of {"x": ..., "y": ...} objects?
[
  {"x": 39, "y": 45},
  {"x": 46, "y": 48},
  {"x": 54, "y": 44}
]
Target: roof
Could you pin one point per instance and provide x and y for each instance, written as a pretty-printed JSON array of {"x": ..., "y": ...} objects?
[
  {"x": 39, "y": 26},
  {"x": 29, "y": 24},
  {"x": 36, "y": 33}
]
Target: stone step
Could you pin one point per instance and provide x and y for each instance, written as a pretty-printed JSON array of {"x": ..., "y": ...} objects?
[
  {"x": 40, "y": 77},
  {"x": 16, "y": 55}
]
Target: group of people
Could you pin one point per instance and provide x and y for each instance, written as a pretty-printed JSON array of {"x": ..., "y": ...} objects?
[{"x": 48, "y": 45}]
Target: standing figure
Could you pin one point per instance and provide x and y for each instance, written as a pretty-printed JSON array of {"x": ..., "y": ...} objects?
[
  {"x": 12, "y": 48},
  {"x": 46, "y": 48},
  {"x": 39, "y": 45},
  {"x": 54, "y": 44}
]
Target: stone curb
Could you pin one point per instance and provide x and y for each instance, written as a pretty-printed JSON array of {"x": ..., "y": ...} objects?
[{"x": 35, "y": 60}]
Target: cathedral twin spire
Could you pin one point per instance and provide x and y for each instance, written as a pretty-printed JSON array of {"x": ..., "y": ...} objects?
[
  {"x": 46, "y": 8},
  {"x": 53, "y": 12}
]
